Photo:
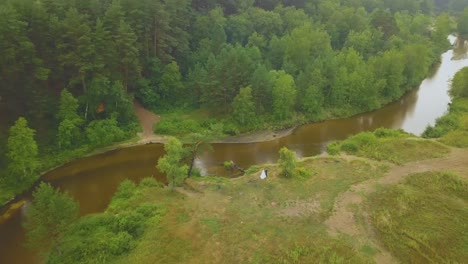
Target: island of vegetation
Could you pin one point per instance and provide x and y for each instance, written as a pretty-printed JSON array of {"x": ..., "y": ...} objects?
[{"x": 72, "y": 74}]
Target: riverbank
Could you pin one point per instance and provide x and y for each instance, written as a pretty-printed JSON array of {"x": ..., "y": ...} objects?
[
  {"x": 330, "y": 214},
  {"x": 148, "y": 119}
]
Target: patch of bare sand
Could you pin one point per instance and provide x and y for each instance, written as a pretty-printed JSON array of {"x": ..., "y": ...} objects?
[{"x": 343, "y": 219}]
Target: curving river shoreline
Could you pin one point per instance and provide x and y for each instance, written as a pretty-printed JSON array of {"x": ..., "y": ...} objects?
[{"x": 93, "y": 180}]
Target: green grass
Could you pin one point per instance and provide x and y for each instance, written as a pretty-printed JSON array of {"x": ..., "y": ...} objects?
[
  {"x": 279, "y": 220},
  {"x": 389, "y": 145},
  {"x": 452, "y": 128},
  {"x": 247, "y": 220},
  {"x": 423, "y": 219}
]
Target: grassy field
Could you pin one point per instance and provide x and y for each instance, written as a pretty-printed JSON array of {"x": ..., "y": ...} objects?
[
  {"x": 389, "y": 145},
  {"x": 247, "y": 220},
  {"x": 452, "y": 128},
  {"x": 423, "y": 219}
]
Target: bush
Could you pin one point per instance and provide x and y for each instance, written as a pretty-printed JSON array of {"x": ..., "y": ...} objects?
[
  {"x": 363, "y": 139},
  {"x": 229, "y": 165},
  {"x": 120, "y": 243},
  {"x": 150, "y": 182},
  {"x": 104, "y": 132},
  {"x": 349, "y": 147},
  {"x": 303, "y": 173},
  {"x": 131, "y": 222},
  {"x": 333, "y": 148},
  {"x": 148, "y": 210},
  {"x": 287, "y": 162},
  {"x": 126, "y": 190},
  {"x": 230, "y": 129},
  {"x": 433, "y": 132},
  {"x": 176, "y": 124},
  {"x": 390, "y": 133}
]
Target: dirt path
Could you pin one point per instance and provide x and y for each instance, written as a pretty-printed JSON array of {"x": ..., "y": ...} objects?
[
  {"x": 147, "y": 120},
  {"x": 343, "y": 220}
]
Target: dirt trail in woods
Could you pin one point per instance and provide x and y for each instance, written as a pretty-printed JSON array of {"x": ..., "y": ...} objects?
[
  {"x": 343, "y": 219},
  {"x": 147, "y": 120}
]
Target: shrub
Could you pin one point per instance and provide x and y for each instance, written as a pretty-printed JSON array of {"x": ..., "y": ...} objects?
[
  {"x": 104, "y": 132},
  {"x": 177, "y": 125},
  {"x": 389, "y": 133},
  {"x": 148, "y": 210},
  {"x": 131, "y": 222},
  {"x": 126, "y": 190},
  {"x": 287, "y": 162},
  {"x": 303, "y": 173},
  {"x": 229, "y": 165},
  {"x": 363, "y": 139},
  {"x": 433, "y": 132},
  {"x": 150, "y": 182},
  {"x": 333, "y": 148},
  {"x": 120, "y": 243},
  {"x": 349, "y": 147}
]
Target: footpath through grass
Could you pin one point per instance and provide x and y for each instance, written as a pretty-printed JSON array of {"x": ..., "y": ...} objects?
[{"x": 424, "y": 219}]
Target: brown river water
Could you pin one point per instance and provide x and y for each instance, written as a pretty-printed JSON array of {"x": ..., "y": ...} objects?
[{"x": 93, "y": 180}]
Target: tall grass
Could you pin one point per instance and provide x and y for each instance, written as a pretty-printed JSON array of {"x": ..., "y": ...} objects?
[
  {"x": 423, "y": 220},
  {"x": 390, "y": 145},
  {"x": 452, "y": 128}
]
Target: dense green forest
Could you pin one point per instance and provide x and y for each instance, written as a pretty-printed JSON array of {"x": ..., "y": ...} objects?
[{"x": 73, "y": 68}]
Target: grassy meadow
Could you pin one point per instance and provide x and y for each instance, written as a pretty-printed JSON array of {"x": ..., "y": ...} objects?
[
  {"x": 395, "y": 146},
  {"x": 421, "y": 219},
  {"x": 424, "y": 218}
]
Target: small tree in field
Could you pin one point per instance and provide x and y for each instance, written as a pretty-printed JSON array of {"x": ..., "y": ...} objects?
[
  {"x": 48, "y": 217},
  {"x": 172, "y": 164},
  {"x": 287, "y": 162}
]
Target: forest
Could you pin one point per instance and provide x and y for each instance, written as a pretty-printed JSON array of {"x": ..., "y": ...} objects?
[{"x": 70, "y": 70}]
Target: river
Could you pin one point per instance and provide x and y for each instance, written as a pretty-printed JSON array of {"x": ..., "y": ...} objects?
[{"x": 93, "y": 180}]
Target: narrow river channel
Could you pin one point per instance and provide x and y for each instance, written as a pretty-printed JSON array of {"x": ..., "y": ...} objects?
[{"x": 93, "y": 180}]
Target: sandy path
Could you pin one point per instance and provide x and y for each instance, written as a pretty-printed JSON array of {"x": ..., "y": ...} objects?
[
  {"x": 147, "y": 120},
  {"x": 343, "y": 220}
]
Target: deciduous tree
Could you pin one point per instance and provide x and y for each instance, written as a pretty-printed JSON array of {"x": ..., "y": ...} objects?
[
  {"x": 243, "y": 108},
  {"x": 171, "y": 163},
  {"x": 287, "y": 162},
  {"x": 284, "y": 95},
  {"x": 22, "y": 152},
  {"x": 48, "y": 217}
]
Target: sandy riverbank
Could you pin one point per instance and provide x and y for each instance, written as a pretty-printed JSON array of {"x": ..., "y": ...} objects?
[{"x": 148, "y": 119}]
